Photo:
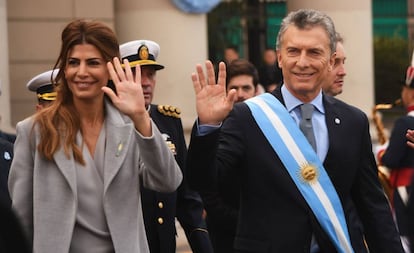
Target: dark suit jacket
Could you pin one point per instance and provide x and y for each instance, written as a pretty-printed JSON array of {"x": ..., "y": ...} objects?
[
  {"x": 222, "y": 207},
  {"x": 160, "y": 209},
  {"x": 274, "y": 216}
]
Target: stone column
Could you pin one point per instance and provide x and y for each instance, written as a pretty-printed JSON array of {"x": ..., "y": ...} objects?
[
  {"x": 353, "y": 19},
  {"x": 183, "y": 41},
  {"x": 4, "y": 71}
]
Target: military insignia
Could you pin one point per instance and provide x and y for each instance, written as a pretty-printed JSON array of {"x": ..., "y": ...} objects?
[
  {"x": 169, "y": 110},
  {"x": 171, "y": 146},
  {"x": 143, "y": 52},
  {"x": 7, "y": 156},
  {"x": 308, "y": 173},
  {"x": 169, "y": 142}
]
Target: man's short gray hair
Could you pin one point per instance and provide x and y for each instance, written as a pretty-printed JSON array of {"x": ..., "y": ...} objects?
[{"x": 307, "y": 18}]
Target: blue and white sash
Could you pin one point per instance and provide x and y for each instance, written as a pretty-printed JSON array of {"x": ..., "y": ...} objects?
[{"x": 303, "y": 165}]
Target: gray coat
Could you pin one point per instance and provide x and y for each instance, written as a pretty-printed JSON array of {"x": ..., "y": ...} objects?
[{"x": 44, "y": 193}]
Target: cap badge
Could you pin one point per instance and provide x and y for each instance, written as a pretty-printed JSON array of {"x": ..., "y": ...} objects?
[{"x": 143, "y": 53}]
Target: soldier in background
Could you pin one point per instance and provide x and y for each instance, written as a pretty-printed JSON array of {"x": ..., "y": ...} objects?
[
  {"x": 399, "y": 158},
  {"x": 160, "y": 209},
  {"x": 42, "y": 85}
]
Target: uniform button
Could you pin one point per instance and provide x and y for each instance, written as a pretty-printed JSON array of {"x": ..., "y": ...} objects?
[
  {"x": 160, "y": 220},
  {"x": 160, "y": 205}
]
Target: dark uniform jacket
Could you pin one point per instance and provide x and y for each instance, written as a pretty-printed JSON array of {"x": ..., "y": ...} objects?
[
  {"x": 12, "y": 237},
  {"x": 160, "y": 209},
  {"x": 274, "y": 216},
  {"x": 398, "y": 156},
  {"x": 8, "y": 137},
  {"x": 6, "y": 156}
]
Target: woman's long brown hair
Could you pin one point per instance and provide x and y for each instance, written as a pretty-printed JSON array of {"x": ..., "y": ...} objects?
[{"x": 59, "y": 122}]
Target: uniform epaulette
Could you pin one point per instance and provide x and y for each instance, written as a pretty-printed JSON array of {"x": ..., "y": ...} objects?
[{"x": 169, "y": 110}]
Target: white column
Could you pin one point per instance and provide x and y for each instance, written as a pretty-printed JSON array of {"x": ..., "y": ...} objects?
[
  {"x": 183, "y": 41},
  {"x": 353, "y": 19},
  {"x": 4, "y": 71}
]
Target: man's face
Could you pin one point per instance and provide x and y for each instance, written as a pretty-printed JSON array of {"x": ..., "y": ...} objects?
[
  {"x": 335, "y": 81},
  {"x": 42, "y": 104},
  {"x": 407, "y": 96},
  {"x": 148, "y": 80},
  {"x": 305, "y": 59},
  {"x": 243, "y": 85},
  {"x": 230, "y": 55},
  {"x": 269, "y": 57}
]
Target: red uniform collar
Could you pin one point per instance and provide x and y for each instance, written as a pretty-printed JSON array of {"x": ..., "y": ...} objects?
[{"x": 410, "y": 108}]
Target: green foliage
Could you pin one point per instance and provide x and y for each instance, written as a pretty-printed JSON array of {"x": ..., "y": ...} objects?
[{"x": 391, "y": 59}]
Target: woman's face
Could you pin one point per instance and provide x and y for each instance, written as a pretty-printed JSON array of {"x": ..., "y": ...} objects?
[{"x": 86, "y": 72}]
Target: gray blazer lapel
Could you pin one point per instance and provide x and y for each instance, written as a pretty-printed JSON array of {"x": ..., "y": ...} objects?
[
  {"x": 118, "y": 137},
  {"x": 67, "y": 166}
]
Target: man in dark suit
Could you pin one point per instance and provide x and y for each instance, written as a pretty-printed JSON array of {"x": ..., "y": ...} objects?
[
  {"x": 160, "y": 209},
  {"x": 294, "y": 197},
  {"x": 222, "y": 204}
]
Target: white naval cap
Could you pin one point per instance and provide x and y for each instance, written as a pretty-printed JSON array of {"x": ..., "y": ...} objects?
[
  {"x": 42, "y": 85},
  {"x": 142, "y": 52}
]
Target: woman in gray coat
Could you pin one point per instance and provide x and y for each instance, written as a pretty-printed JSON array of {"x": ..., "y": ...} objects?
[{"x": 75, "y": 182}]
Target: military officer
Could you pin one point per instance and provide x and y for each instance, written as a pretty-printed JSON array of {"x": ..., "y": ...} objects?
[
  {"x": 160, "y": 209},
  {"x": 42, "y": 85},
  {"x": 399, "y": 158}
]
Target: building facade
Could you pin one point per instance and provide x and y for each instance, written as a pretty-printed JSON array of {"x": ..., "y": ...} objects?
[{"x": 30, "y": 30}]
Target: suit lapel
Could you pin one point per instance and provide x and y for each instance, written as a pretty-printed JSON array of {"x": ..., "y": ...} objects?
[
  {"x": 333, "y": 121},
  {"x": 118, "y": 137},
  {"x": 67, "y": 166}
]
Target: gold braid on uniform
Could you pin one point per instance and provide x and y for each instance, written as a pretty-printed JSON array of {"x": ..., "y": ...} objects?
[
  {"x": 169, "y": 110},
  {"x": 203, "y": 230}
]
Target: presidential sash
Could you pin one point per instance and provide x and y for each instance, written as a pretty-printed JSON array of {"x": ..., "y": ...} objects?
[{"x": 303, "y": 165}]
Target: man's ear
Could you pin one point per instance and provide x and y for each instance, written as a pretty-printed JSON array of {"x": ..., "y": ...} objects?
[
  {"x": 38, "y": 107},
  {"x": 331, "y": 62}
]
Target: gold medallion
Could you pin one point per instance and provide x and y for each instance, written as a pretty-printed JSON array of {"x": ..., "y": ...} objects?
[
  {"x": 308, "y": 173},
  {"x": 143, "y": 52}
]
